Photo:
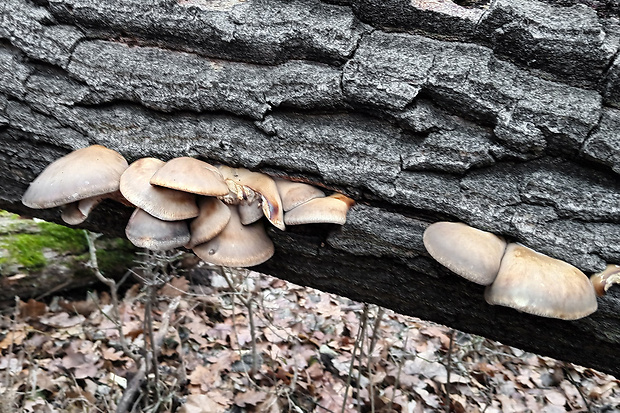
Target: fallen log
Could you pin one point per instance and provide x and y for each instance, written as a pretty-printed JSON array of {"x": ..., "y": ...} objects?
[{"x": 502, "y": 116}]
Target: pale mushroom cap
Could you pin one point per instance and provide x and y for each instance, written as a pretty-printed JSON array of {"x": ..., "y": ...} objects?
[
  {"x": 163, "y": 203},
  {"x": 146, "y": 231},
  {"x": 328, "y": 210},
  {"x": 250, "y": 212},
  {"x": 213, "y": 218},
  {"x": 190, "y": 175},
  {"x": 237, "y": 245},
  {"x": 294, "y": 194},
  {"x": 605, "y": 279},
  {"x": 537, "y": 284},
  {"x": 469, "y": 252},
  {"x": 76, "y": 212},
  {"x": 71, "y": 214},
  {"x": 83, "y": 173},
  {"x": 258, "y": 182}
]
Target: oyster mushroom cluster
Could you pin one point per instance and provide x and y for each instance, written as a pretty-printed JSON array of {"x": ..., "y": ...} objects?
[
  {"x": 515, "y": 276},
  {"x": 214, "y": 210}
]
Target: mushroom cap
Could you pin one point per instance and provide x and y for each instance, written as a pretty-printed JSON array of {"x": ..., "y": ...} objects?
[
  {"x": 605, "y": 279},
  {"x": 294, "y": 194},
  {"x": 538, "y": 284},
  {"x": 146, "y": 231},
  {"x": 250, "y": 212},
  {"x": 71, "y": 213},
  {"x": 469, "y": 252},
  {"x": 237, "y": 178},
  {"x": 213, "y": 218},
  {"x": 237, "y": 245},
  {"x": 328, "y": 210},
  {"x": 163, "y": 203},
  {"x": 83, "y": 173},
  {"x": 190, "y": 175}
]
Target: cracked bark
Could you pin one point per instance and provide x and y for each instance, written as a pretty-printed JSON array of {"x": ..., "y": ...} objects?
[{"x": 506, "y": 117}]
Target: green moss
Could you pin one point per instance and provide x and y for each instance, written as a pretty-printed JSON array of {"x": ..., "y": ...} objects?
[
  {"x": 8, "y": 215},
  {"x": 27, "y": 249},
  {"x": 116, "y": 259}
]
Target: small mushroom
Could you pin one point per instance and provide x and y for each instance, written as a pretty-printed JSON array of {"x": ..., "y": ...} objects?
[
  {"x": 190, "y": 175},
  {"x": 328, "y": 210},
  {"x": 88, "y": 173},
  {"x": 250, "y": 212},
  {"x": 163, "y": 203},
  {"x": 213, "y": 218},
  {"x": 238, "y": 178},
  {"x": 538, "y": 284},
  {"x": 237, "y": 245},
  {"x": 605, "y": 279},
  {"x": 294, "y": 194},
  {"x": 146, "y": 231},
  {"x": 469, "y": 252}
]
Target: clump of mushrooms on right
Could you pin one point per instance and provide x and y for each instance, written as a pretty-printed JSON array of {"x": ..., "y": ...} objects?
[
  {"x": 514, "y": 275},
  {"x": 215, "y": 211}
]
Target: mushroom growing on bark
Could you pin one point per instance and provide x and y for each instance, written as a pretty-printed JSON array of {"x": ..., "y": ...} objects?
[
  {"x": 79, "y": 181},
  {"x": 213, "y": 218},
  {"x": 294, "y": 194},
  {"x": 146, "y": 231},
  {"x": 469, "y": 252},
  {"x": 329, "y": 210},
  {"x": 605, "y": 279},
  {"x": 237, "y": 245},
  {"x": 538, "y": 284},
  {"x": 239, "y": 178},
  {"x": 190, "y": 175},
  {"x": 163, "y": 203}
]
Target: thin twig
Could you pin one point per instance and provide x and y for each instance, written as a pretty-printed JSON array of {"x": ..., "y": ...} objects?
[
  {"x": 247, "y": 302},
  {"x": 449, "y": 369},
  {"x": 572, "y": 381},
  {"x": 373, "y": 343},
  {"x": 397, "y": 379},
  {"x": 136, "y": 382},
  {"x": 92, "y": 249},
  {"x": 360, "y": 332}
]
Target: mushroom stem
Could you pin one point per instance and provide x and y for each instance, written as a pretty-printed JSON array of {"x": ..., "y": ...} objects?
[{"x": 603, "y": 280}]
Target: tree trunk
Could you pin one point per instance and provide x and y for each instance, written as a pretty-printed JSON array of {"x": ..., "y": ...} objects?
[{"x": 504, "y": 116}]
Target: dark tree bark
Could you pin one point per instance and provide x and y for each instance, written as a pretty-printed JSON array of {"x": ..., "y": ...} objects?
[{"x": 504, "y": 116}]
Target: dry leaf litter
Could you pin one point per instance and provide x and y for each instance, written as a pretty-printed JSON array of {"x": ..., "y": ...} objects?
[{"x": 65, "y": 356}]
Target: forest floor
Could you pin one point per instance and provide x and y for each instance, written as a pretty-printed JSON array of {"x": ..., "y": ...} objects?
[{"x": 64, "y": 355}]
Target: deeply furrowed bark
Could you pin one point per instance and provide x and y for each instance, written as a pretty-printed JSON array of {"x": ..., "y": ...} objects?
[{"x": 504, "y": 116}]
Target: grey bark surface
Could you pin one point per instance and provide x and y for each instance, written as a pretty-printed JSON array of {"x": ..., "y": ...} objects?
[{"x": 502, "y": 116}]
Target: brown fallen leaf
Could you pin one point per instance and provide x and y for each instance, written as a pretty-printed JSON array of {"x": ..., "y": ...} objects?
[
  {"x": 201, "y": 403},
  {"x": 31, "y": 309},
  {"x": 13, "y": 337},
  {"x": 252, "y": 397},
  {"x": 175, "y": 288}
]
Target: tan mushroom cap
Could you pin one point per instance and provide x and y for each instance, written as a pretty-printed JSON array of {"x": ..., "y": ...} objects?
[
  {"x": 163, "y": 203},
  {"x": 328, "y": 210},
  {"x": 250, "y": 212},
  {"x": 469, "y": 252},
  {"x": 213, "y": 218},
  {"x": 237, "y": 245},
  {"x": 190, "y": 175},
  {"x": 83, "y": 173},
  {"x": 603, "y": 280},
  {"x": 71, "y": 213},
  {"x": 237, "y": 178},
  {"x": 537, "y": 284},
  {"x": 294, "y": 194},
  {"x": 146, "y": 231}
]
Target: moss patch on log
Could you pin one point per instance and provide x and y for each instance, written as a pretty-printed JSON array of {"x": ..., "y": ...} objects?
[{"x": 29, "y": 245}]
